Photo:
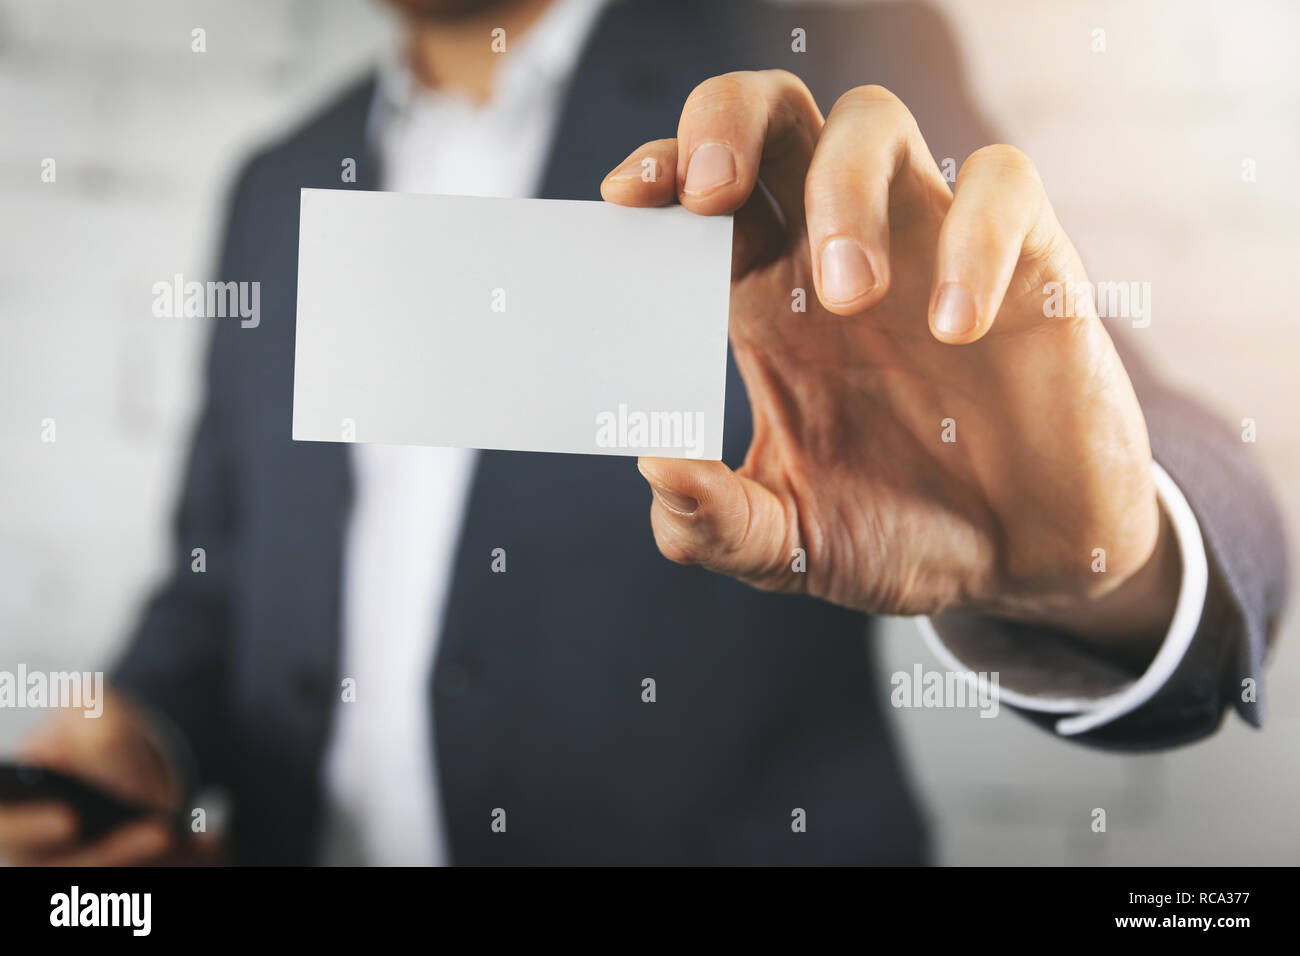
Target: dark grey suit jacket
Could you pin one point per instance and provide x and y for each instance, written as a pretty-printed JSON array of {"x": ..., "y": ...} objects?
[{"x": 765, "y": 703}]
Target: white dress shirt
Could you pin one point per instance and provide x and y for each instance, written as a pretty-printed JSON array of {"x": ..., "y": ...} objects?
[
  {"x": 381, "y": 777},
  {"x": 381, "y": 783}
]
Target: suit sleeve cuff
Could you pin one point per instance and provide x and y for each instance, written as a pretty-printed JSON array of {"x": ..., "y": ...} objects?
[{"x": 1048, "y": 673}]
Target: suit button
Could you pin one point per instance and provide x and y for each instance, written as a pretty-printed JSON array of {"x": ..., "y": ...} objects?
[{"x": 455, "y": 680}]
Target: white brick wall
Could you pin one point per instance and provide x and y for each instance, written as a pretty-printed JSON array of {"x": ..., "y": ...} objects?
[{"x": 1140, "y": 147}]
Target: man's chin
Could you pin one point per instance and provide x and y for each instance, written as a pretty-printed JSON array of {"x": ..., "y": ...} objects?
[{"x": 448, "y": 9}]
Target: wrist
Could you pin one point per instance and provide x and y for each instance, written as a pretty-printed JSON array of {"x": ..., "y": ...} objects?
[
  {"x": 1128, "y": 622},
  {"x": 1123, "y": 616},
  {"x": 1125, "y": 620}
]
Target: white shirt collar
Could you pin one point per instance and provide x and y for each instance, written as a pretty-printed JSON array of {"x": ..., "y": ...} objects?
[{"x": 540, "y": 60}]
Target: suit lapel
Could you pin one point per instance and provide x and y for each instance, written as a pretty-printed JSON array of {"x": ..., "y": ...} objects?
[
  {"x": 308, "y": 483},
  {"x": 637, "y": 70}
]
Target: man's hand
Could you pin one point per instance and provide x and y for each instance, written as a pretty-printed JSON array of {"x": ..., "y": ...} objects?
[
  {"x": 925, "y": 321},
  {"x": 119, "y": 752}
]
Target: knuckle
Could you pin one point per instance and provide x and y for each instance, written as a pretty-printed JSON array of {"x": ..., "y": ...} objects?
[
  {"x": 673, "y": 545},
  {"x": 784, "y": 79},
  {"x": 677, "y": 552},
  {"x": 1048, "y": 249},
  {"x": 791, "y": 98},
  {"x": 871, "y": 93},
  {"x": 725, "y": 91},
  {"x": 878, "y": 100},
  {"x": 1002, "y": 160},
  {"x": 700, "y": 538}
]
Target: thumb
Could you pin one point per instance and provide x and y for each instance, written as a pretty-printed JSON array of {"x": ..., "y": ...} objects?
[{"x": 704, "y": 513}]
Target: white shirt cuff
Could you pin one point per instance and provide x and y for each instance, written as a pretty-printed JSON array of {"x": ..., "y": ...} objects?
[{"x": 1046, "y": 679}]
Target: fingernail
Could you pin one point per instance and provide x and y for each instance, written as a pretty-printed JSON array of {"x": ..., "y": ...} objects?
[
  {"x": 682, "y": 504},
  {"x": 711, "y": 167},
  {"x": 954, "y": 313},
  {"x": 846, "y": 273}
]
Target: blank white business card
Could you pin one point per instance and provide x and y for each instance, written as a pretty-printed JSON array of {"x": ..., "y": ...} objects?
[{"x": 519, "y": 324}]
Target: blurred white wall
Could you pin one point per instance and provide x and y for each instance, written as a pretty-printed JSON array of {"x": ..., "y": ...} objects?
[
  {"x": 1141, "y": 148},
  {"x": 146, "y": 136}
]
